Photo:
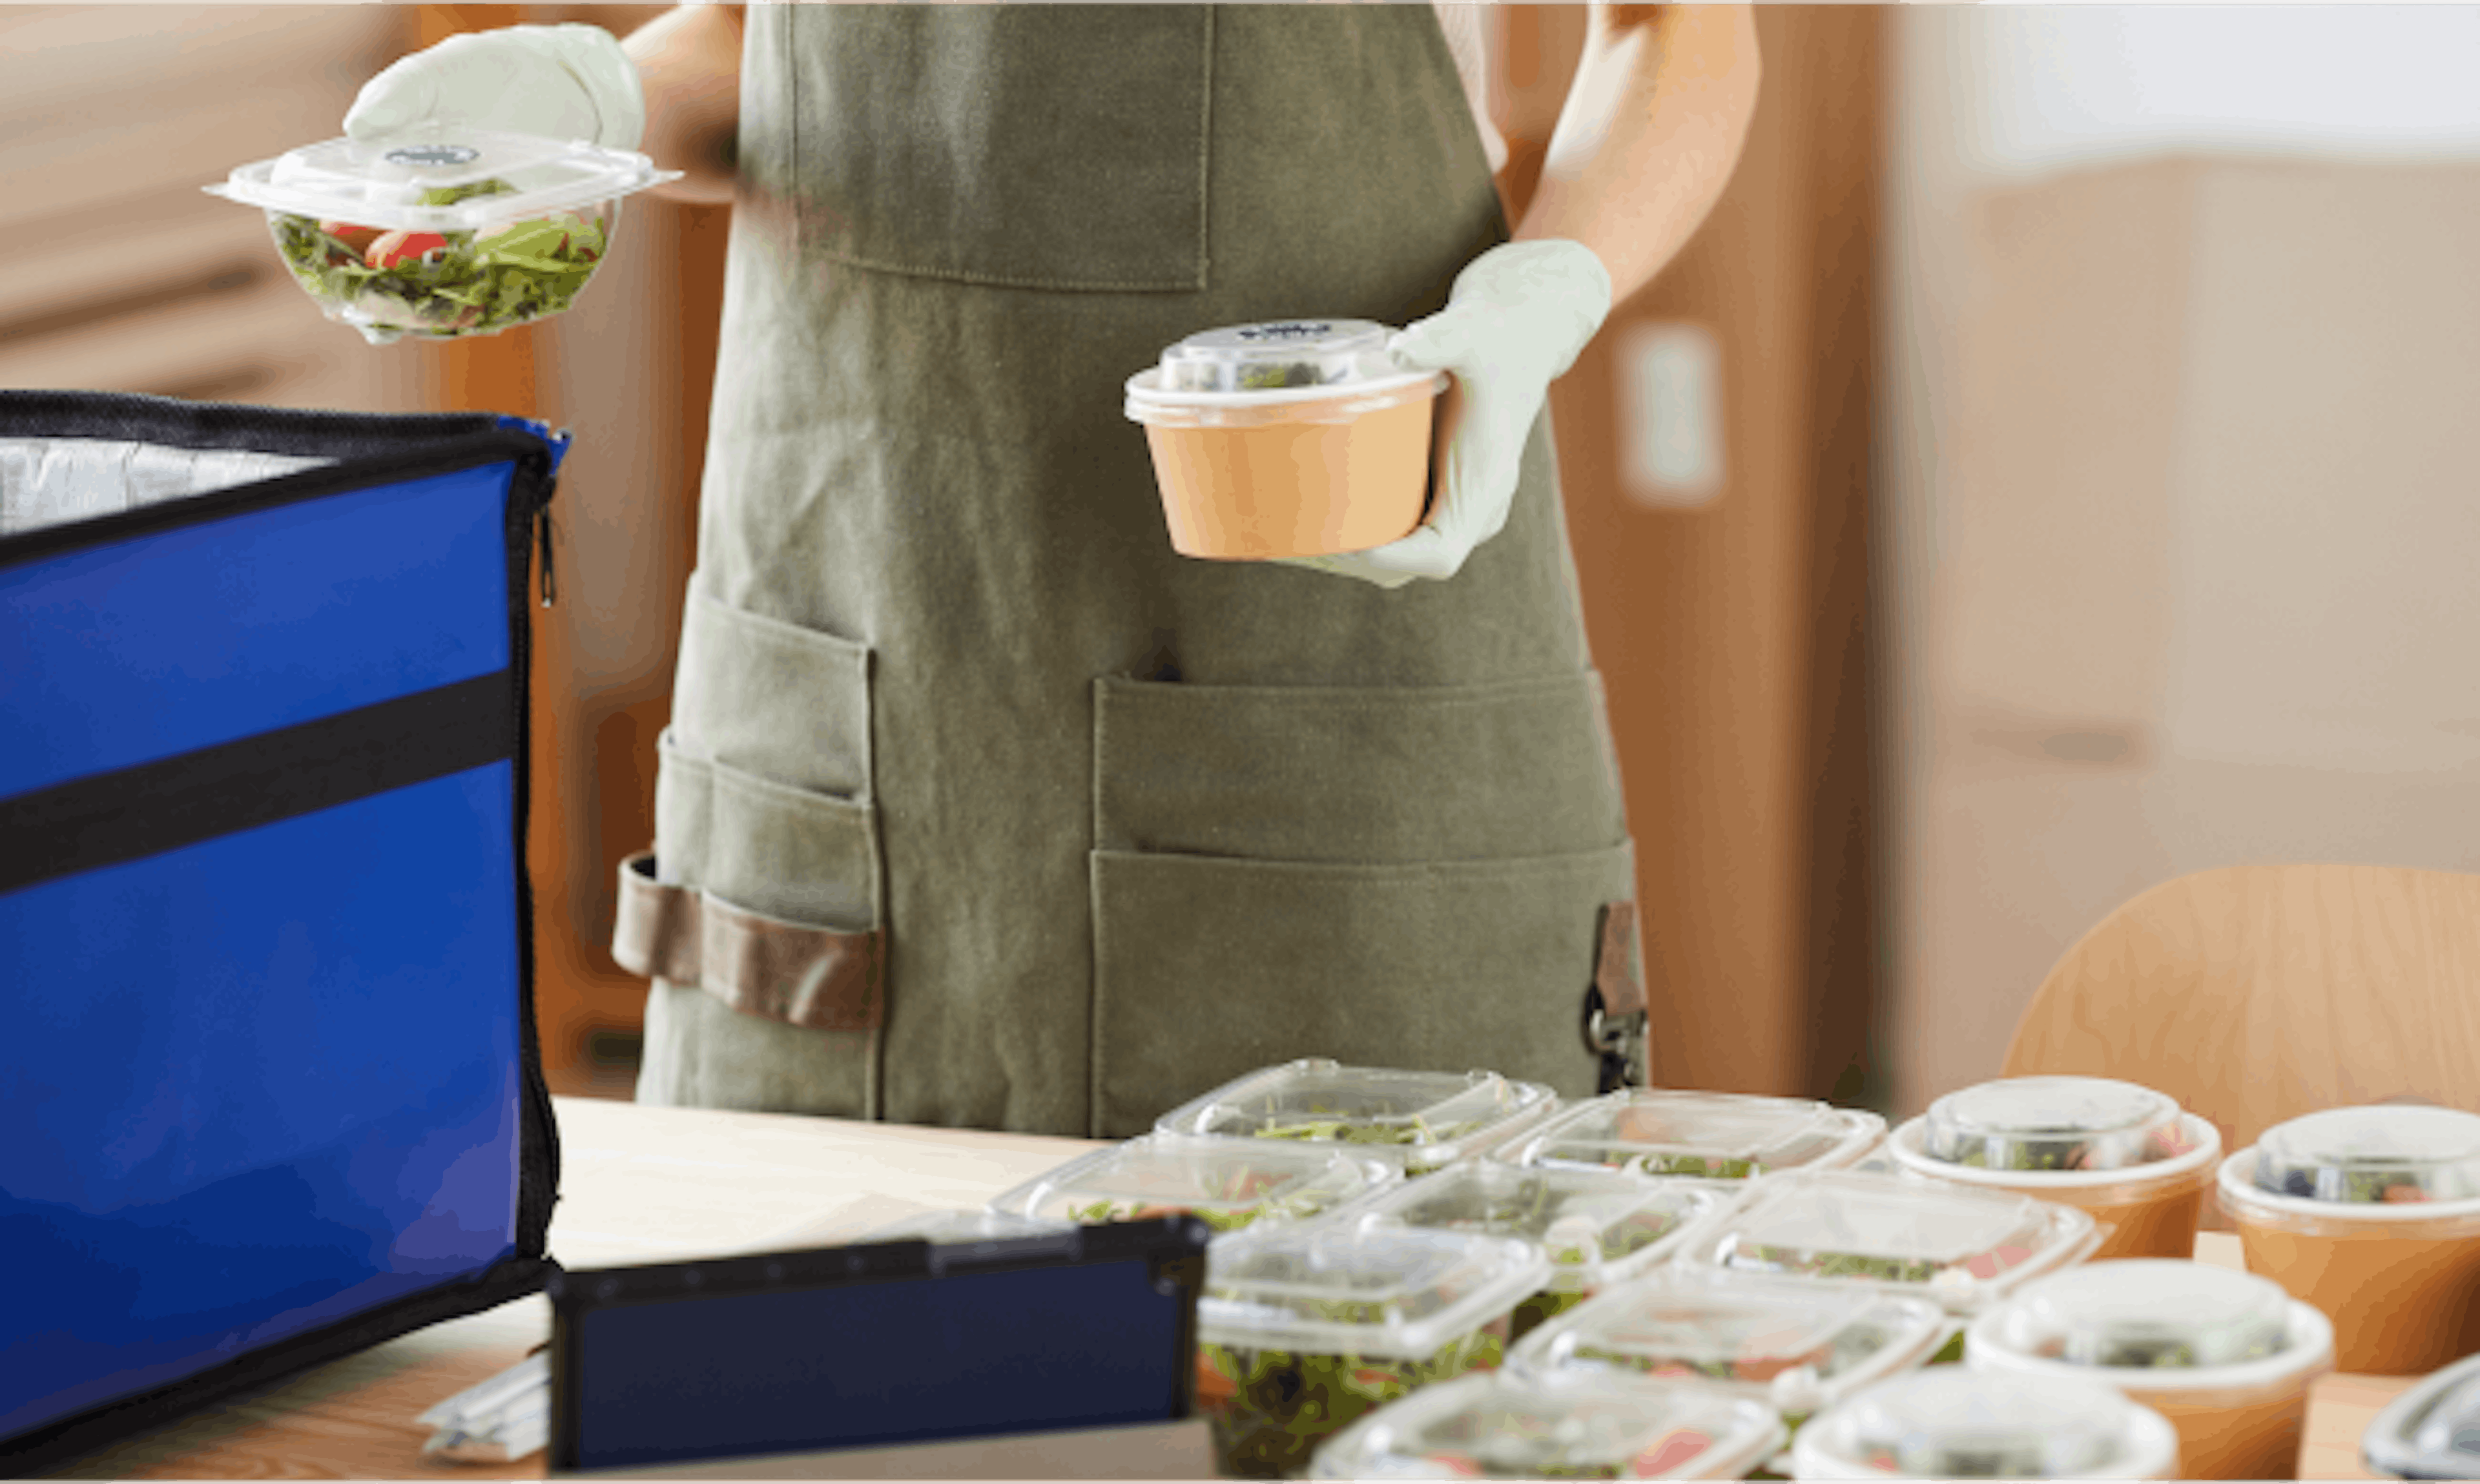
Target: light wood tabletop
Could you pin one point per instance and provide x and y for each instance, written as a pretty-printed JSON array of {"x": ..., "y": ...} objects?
[{"x": 646, "y": 1184}]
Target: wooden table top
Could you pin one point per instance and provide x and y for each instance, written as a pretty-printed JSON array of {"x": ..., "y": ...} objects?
[{"x": 647, "y": 1185}]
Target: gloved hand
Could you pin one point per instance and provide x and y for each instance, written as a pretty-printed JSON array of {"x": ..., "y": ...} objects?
[
  {"x": 1517, "y": 317},
  {"x": 570, "y": 81}
]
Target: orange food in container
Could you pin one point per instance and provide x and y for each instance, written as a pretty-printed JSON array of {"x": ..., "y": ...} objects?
[
  {"x": 1294, "y": 438},
  {"x": 2123, "y": 1155},
  {"x": 2372, "y": 1215},
  {"x": 2226, "y": 1357}
]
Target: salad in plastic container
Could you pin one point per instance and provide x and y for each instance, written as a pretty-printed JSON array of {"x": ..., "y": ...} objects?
[
  {"x": 2431, "y": 1431},
  {"x": 1569, "y": 1425},
  {"x": 1417, "y": 1121},
  {"x": 2373, "y": 1216},
  {"x": 2124, "y": 1154},
  {"x": 1227, "y": 1185},
  {"x": 1958, "y": 1246},
  {"x": 1965, "y": 1425},
  {"x": 1599, "y": 1228},
  {"x": 1303, "y": 1329},
  {"x": 1709, "y": 1136},
  {"x": 443, "y": 231}
]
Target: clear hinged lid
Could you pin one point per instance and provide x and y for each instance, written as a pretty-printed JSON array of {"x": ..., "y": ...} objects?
[
  {"x": 963, "y": 1226},
  {"x": 1947, "y": 1422},
  {"x": 1962, "y": 1246},
  {"x": 1716, "y": 1136},
  {"x": 1799, "y": 1346},
  {"x": 2431, "y": 1431},
  {"x": 441, "y": 179},
  {"x": 1576, "y": 1424},
  {"x": 1598, "y": 1226},
  {"x": 1226, "y": 1185},
  {"x": 2395, "y": 1153},
  {"x": 2054, "y": 1123},
  {"x": 1334, "y": 1289},
  {"x": 1414, "y": 1121},
  {"x": 2146, "y": 1314},
  {"x": 1279, "y": 355}
]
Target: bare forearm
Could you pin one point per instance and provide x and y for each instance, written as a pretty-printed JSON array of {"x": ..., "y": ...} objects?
[
  {"x": 688, "y": 59},
  {"x": 1650, "y": 134}
]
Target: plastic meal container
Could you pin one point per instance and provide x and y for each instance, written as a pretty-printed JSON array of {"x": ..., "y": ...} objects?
[
  {"x": 1287, "y": 437},
  {"x": 961, "y": 1226},
  {"x": 2125, "y": 1155},
  {"x": 2226, "y": 1356},
  {"x": 1417, "y": 1121},
  {"x": 2431, "y": 1431},
  {"x": 1570, "y": 1425},
  {"x": 1960, "y": 1247},
  {"x": 1952, "y": 1423},
  {"x": 1598, "y": 1228},
  {"x": 1224, "y": 1184},
  {"x": 2372, "y": 1215},
  {"x": 1303, "y": 1329},
  {"x": 1711, "y": 1136},
  {"x": 443, "y": 233}
]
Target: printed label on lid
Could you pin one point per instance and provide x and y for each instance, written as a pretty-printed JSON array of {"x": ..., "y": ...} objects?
[{"x": 433, "y": 155}]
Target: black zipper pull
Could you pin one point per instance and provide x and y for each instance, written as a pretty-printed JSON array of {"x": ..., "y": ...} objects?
[{"x": 543, "y": 526}]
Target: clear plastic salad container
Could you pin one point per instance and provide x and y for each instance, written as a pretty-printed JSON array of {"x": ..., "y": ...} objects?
[
  {"x": 1799, "y": 1346},
  {"x": 443, "y": 231},
  {"x": 2372, "y": 1215},
  {"x": 1567, "y": 1425},
  {"x": 963, "y": 1226},
  {"x": 1710, "y": 1135},
  {"x": 1959, "y": 1246},
  {"x": 1417, "y": 1121},
  {"x": 1964, "y": 1425},
  {"x": 1224, "y": 1184},
  {"x": 1599, "y": 1228},
  {"x": 2431, "y": 1431},
  {"x": 1302, "y": 1329},
  {"x": 2226, "y": 1356}
]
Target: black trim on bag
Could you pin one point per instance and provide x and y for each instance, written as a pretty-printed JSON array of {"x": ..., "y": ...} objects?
[{"x": 108, "y": 818}]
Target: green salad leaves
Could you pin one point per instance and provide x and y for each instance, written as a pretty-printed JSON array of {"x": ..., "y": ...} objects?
[
  {"x": 444, "y": 285},
  {"x": 1270, "y": 1409}
]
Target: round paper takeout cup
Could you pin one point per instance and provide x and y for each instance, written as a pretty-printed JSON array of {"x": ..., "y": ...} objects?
[
  {"x": 2400, "y": 1282},
  {"x": 2240, "y": 1422},
  {"x": 2143, "y": 1211},
  {"x": 1308, "y": 471}
]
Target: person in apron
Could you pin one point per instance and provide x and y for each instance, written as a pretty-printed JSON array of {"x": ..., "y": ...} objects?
[{"x": 980, "y": 806}]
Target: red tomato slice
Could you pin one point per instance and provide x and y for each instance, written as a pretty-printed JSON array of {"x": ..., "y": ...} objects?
[
  {"x": 391, "y": 248},
  {"x": 357, "y": 238}
]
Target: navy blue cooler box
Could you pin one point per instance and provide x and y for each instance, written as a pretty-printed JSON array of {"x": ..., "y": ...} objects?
[{"x": 270, "y": 1091}]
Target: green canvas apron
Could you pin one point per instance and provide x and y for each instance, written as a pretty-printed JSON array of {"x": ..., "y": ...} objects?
[{"x": 980, "y": 806}]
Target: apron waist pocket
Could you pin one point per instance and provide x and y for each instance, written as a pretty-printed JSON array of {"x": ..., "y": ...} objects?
[{"x": 820, "y": 978}]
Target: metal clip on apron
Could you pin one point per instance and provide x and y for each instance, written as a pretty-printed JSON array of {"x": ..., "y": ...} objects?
[{"x": 980, "y": 806}]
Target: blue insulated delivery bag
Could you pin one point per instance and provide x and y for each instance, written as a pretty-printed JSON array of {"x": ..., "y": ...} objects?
[{"x": 269, "y": 1086}]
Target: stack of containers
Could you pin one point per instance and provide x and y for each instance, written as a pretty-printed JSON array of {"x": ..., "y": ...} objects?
[
  {"x": 1702, "y": 1136},
  {"x": 1952, "y": 1425},
  {"x": 2226, "y": 1357},
  {"x": 2431, "y": 1431},
  {"x": 2126, "y": 1155},
  {"x": 2372, "y": 1215},
  {"x": 1572, "y": 1424},
  {"x": 1226, "y": 1183},
  {"x": 1415, "y": 1121}
]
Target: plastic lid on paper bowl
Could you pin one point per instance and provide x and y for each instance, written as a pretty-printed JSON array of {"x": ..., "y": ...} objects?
[
  {"x": 2431, "y": 1431},
  {"x": 1279, "y": 355},
  {"x": 1948, "y": 1424},
  {"x": 1495, "y": 1424},
  {"x": 2388, "y": 1154},
  {"x": 1713, "y": 1135},
  {"x": 1226, "y": 1185},
  {"x": 2054, "y": 1123},
  {"x": 1395, "y": 1292},
  {"x": 1600, "y": 1228},
  {"x": 1414, "y": 1121},
  {"x": 419, "y": 178},
  {"x": 2145, "y": 1314}
]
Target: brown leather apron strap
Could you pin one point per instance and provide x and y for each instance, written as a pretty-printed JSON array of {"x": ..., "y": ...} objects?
[
  {"x": 819, "y": 978},
  {"x": 1615, "y": 1014}
]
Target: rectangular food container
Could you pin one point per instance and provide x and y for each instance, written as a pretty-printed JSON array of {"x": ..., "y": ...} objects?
[
  {"x": 1417, "y": 1121},
  {"x": 1304, "y": 1329},
  {"x": 2431, "y": 1431},
  {"x": 2227, "y": 1357},
  {"x": 1708, "y": 1136},
  {"x": 1952, "y": 1423},
  {"x": 1566, "y": 1426},
  {"x": 1226, "y": 1184}
]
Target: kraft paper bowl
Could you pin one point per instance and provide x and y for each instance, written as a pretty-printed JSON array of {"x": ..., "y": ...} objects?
[{"x": 2143, "y": 1210}]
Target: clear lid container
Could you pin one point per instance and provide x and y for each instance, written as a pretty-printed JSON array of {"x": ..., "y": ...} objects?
[
  {"x": 1714, "y": 1135},
  {"x": 440, "y": 178},
  {"x": 1801, "y": 1346},
  {"x": 1417, "y": 1121},
  {"x": 1960, "y": 1246},
  {"x": 2431, "y": 1431},
  {"x": 1331, "y": 1288},
  {"x": 2054, "y": 1124},
  {"x": 1280, "y": 355},
  {"x": 2391, "y": 1154},
  {"x": 1598, "y": 1227},
  {"x": 2145, "y": 1314},
  {"x": 1224, "y": 1184},
  {"x": 1499, "y": 1425},
  {"x": 1947, "y": 1422},
  {"x": 961, "y": 1226}
]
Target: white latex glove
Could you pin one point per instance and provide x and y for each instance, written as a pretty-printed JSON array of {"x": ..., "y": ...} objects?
[
  {"x": 1517, "y": 317},
  {"x": 570, "y": 81}
]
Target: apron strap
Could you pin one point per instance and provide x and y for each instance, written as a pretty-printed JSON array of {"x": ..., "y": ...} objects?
[
  {"x": 817, "y": 978},
  {"x": 1615, "y": 1012}
]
